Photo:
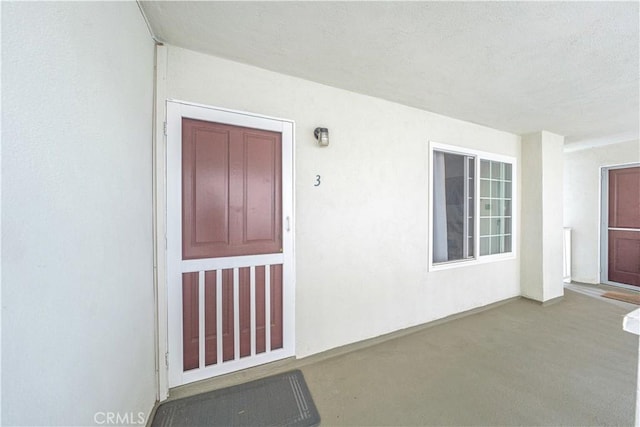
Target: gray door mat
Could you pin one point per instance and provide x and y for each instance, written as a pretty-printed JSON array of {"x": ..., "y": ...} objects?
[{"x": 280, "y": 400}]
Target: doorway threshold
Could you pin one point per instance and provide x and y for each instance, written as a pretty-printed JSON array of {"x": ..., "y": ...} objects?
[{"x": 596, "y": 290}]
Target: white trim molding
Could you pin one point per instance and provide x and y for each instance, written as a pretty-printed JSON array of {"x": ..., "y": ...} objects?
[{"x": 160, "y": 223}]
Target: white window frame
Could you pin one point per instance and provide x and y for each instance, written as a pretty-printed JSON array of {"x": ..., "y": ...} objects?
[{"x": 515, "y": 220}]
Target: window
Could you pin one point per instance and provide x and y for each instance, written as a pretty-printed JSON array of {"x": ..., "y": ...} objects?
[
  {"x": 453, "y": 208},
  {"x": 495, "y": 207},
  {"x": 472, "y": 205}
]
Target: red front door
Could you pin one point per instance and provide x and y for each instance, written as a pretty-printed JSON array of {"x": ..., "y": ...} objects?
[
  {"x": 231, "y": 207},
  {"x": 624, "y": 226}
]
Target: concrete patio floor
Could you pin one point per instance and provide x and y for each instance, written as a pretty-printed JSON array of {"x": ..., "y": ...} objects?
[{"x": 518, "y": 363}]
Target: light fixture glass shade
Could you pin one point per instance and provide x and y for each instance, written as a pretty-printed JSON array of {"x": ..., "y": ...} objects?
[{"x": 322, "y": 135}]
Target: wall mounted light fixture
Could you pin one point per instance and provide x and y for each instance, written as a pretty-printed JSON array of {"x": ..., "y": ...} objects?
[{"x": 322, "y": 135}]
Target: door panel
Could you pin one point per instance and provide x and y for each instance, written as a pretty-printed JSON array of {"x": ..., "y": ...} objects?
[
  {"x": 231, "y": 190},
  {"x": 228, "y": 348},
  {"x": 624, "y": 226},
  {"x": 260, "y": 311},
  {"x": 244, "y": 293},
  {"x": 205, "y": 165},
  {"x": 190, "y": 311},
  {"x": 190, "y": 321},
  {"x": 262, "y": 204},
  {"x": 624, "y": 198},
  {"x": 231, "y": 206},
  {"x": 624, "y": 257},
  {"x": 210, "y": 319},
  {"x": 276, "y": 306}
]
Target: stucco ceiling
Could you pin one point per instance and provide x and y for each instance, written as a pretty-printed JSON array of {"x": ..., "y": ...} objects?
[{"x": 567, "y": 67}]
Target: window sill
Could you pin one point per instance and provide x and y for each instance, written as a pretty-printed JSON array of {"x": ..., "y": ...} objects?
[{"x": 470, "y": 262}]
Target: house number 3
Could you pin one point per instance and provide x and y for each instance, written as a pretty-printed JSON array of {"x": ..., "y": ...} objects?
[{"x": 317, "y": 184}]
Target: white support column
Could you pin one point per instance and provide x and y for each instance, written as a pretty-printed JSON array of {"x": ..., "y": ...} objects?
[{"x": 542, "y": 216}]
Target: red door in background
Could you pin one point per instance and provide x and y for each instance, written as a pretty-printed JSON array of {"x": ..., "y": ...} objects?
[{"x": 624, "y": 226}]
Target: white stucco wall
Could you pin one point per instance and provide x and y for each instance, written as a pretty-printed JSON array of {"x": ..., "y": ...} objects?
[
  {"x": 77, "y": 276},
  {"x": 361, "y": 242},
  {"x": 582, "y": 202}
]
